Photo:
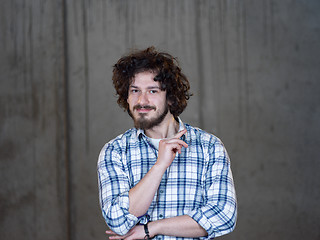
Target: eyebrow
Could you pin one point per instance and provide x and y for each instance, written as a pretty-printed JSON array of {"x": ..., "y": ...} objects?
[{"x": 150, "y": 87}]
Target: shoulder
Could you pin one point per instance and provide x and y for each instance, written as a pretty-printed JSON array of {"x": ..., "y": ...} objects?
[
  {"x": 115, "y": 148},
  {"x": 210, "y": 145},
  {"x": 121, "y": 140},
  {"x": 202, "y": 136}
]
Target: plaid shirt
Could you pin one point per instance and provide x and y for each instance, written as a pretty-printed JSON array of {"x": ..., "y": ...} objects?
[{"x": 198, "y": 183}]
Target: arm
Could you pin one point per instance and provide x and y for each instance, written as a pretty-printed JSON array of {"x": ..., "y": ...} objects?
[
  {"x": 114, "y": 190},
  {"x": 142, "y": 194},
  {"x": 219, "y": 213},
  {"x": 181, "y": 226}
]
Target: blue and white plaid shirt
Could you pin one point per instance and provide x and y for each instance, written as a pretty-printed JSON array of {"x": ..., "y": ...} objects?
[{"x": 198, "y": 183}]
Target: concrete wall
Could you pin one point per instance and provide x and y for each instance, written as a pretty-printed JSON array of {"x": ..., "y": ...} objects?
[
  {"x": 33, "y": 127},
  {"x": 254, "y": 72}
]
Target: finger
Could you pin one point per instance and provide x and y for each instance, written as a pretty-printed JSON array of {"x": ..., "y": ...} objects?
[
  {"x": 176, "y": 148},
  {"x": 116, "y": 237},
  {"x": 177, "y": 141},
  {"x": 113, "y": 235},
  {"x": 110, "y": 232},
  {"x": 180, "y": 134}
]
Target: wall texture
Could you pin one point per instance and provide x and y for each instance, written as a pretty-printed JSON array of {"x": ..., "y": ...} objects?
[
  {"x": 254, "y": 71},
  {"x": 33, "y": 126}
]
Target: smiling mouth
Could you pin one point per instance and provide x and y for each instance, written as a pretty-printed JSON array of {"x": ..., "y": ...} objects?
[{"x": 140, "y": 108}]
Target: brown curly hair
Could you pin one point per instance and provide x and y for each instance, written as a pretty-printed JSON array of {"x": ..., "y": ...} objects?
[{"x": 168, "y": 72}]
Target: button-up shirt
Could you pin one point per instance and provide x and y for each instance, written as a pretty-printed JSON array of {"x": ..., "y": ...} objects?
[{"x": 198, "y": 183}]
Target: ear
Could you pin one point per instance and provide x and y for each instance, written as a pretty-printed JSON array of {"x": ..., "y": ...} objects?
[{"x": 169, "y": 102}]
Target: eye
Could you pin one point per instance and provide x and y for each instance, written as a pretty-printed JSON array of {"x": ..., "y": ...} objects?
[
  {"x": 153, "y": 91},
  {"x": 134, "y": 90}
]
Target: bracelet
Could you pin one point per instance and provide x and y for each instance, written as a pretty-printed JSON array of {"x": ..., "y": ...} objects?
[{"x": 146, "y": 230}]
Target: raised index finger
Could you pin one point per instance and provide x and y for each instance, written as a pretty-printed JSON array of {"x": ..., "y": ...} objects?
[{"x": 181, "y": 133}]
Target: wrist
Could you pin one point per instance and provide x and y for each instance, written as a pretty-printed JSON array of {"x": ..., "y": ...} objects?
[
  {"x": 160, "y": 167},
  {"x": 153, "y": 229},
  {"x": 146, "y": 231}
]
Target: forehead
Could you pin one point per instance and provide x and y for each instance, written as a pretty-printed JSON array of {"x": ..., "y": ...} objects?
[{"x": 144, "y": 79}]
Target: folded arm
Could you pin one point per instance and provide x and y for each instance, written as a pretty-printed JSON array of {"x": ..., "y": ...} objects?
[{"x": 181, "y": 226}]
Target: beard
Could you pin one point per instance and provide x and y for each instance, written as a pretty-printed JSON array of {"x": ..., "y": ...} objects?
[{"x": 143, "y": 123}]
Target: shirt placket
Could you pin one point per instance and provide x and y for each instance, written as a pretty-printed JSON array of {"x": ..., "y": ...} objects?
[{"x": 157, "y": 208}]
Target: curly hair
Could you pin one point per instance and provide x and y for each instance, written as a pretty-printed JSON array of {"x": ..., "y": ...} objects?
[{"x": 169, "y": 75}]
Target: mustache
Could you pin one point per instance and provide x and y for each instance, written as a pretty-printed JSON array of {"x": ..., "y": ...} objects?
[{"x": 138, "y": 106}]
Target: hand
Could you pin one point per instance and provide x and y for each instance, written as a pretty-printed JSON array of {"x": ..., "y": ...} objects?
[
  {"x": 137, "y": 232},
  {"x": 169, "y": 147}
]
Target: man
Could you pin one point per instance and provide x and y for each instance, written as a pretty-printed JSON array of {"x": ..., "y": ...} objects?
[{"x": 163, "y": 178}]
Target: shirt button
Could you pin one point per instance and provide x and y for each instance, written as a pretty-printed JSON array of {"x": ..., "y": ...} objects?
[
  {"x": 161, "y": 191},
  {"x": 160, "y": 216}
]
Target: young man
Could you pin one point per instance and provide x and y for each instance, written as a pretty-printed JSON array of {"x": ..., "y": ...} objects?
[{"x": 162, "y": 179}]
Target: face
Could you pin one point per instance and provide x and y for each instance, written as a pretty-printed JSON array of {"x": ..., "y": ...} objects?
[{"x": 147, "y": 102}]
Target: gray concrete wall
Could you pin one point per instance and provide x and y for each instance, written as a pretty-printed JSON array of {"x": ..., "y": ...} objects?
[
  {"x": 33, "y": 129},
  {"x": 254, "y": 72}
]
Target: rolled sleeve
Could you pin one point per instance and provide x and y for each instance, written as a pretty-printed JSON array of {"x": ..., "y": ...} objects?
[
  {"x": 114, "y": 191},
  {"x": 219, "y": 213}
]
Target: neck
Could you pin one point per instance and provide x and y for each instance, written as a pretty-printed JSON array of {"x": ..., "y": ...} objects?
[{"x": 166, "y": 129}]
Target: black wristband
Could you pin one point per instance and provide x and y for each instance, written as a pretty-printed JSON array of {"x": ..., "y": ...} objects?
[{"x": 146, "y": 230}]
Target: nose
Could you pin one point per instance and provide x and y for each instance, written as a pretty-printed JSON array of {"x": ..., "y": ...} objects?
[{"x": 143, "y": 99}]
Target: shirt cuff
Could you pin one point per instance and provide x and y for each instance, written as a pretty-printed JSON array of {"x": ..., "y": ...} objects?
[
  {"x": 118, "y": 217},
  {"x": 203, "y": 221}
]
